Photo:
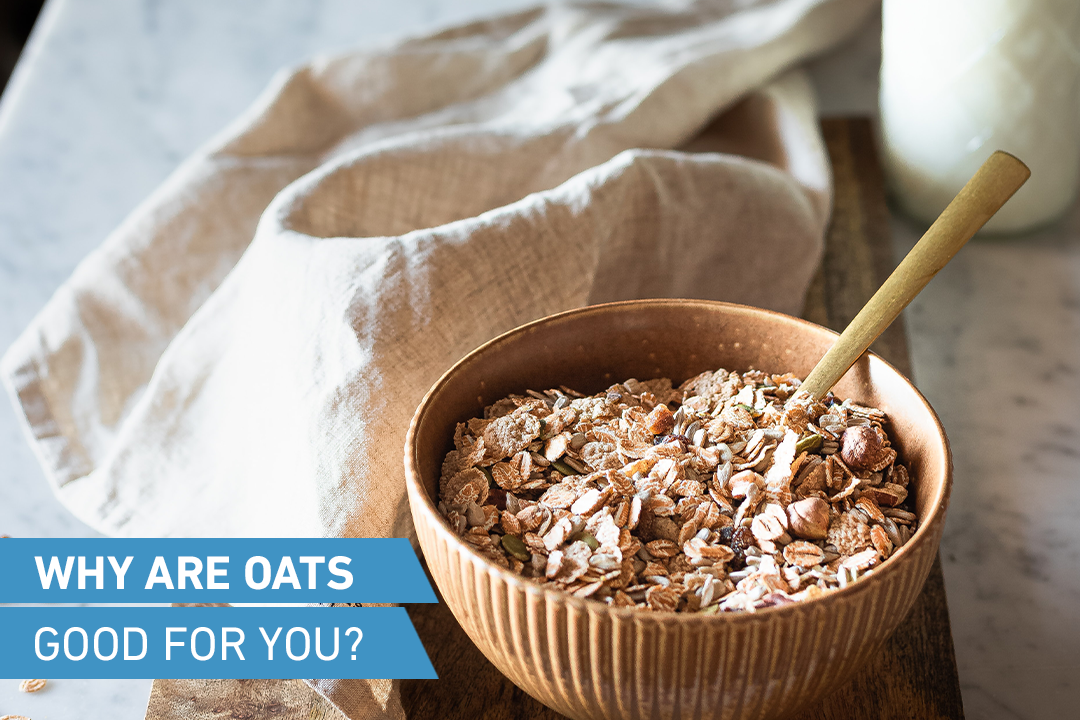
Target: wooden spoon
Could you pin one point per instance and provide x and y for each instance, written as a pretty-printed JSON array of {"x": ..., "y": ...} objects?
[{"x": 994, "y": 183}]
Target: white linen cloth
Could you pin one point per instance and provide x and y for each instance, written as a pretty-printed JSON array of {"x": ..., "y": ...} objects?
[{"x": 241, "y": 357}]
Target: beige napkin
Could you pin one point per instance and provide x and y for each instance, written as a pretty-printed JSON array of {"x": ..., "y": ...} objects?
[{"x": 242, "y": 356}]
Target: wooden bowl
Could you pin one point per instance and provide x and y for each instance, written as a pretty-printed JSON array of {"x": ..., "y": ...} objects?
[{"x": 587, "y": 660}]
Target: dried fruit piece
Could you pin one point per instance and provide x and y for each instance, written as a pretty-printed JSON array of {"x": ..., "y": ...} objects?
[
  {"x": 497, "y": 497},
  {"x": 660, "y": 421},
  {"x": 741, "y": 541}
]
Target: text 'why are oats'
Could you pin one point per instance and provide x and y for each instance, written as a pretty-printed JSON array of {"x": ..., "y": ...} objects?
[{"x": 191, "y": 572}]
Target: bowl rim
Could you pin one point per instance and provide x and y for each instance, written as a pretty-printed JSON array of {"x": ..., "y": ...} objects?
[{"x": 864, "y": 584}]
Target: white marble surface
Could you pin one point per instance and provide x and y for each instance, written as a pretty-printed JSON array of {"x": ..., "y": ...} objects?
[
  {"x": 112, "y": 94},
  {"x": 996, "y": 346}
]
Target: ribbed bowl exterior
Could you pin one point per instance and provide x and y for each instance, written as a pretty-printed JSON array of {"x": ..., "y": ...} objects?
[{"x": 587, "y": 660}]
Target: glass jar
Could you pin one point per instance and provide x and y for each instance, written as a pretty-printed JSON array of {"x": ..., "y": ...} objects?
[{"x": 962, "y": 78}]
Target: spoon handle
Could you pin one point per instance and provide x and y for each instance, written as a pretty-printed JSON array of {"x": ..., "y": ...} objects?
[{"x": 994, "y": 183}]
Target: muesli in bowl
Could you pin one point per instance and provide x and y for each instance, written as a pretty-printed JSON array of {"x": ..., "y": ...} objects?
[{"x": 728, "y": 493}]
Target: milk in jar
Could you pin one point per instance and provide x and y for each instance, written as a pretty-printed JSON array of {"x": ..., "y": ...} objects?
[{"x": 962, "y": 78}]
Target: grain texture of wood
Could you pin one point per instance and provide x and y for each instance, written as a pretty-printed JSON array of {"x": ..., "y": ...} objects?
[
  {"x": 915, "y": 675},
  {"x": 237, "y": 700}
]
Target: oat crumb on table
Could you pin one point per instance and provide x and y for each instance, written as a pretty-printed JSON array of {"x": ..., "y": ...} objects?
[
  {"x": 732, "y": 492},
  {"x": 31, "y": 686}
]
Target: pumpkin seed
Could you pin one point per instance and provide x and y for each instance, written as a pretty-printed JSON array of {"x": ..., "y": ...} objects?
[
  {"x": 516, "y": 547},
  {"x": 563, "y": 468}
]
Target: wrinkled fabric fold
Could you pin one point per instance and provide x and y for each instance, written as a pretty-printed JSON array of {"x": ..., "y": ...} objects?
[{"x": 243, "y": 354}]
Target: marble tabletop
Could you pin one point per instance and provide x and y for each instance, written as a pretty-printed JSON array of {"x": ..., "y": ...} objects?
[{"x": 110, "y": 95}]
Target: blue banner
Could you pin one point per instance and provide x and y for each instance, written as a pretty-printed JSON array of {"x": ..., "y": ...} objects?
[
  {"x": 112, "y": 570},
  {"x": 210, "y": 643}
]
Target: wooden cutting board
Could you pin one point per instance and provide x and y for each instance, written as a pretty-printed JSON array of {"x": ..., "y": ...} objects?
[{"x": 915, "y": 676}]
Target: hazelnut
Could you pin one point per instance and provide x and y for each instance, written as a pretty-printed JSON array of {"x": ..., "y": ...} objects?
[
  {"x": 809, "y": 518},
  {"x": 862, "y": 448}
]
